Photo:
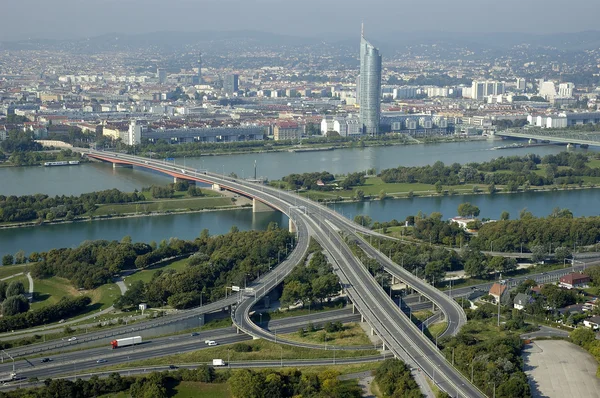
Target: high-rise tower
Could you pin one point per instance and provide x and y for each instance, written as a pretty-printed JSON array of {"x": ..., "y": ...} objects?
[
  {"x": 200, "y": 69},
  {"x": 369, "y": 89}
]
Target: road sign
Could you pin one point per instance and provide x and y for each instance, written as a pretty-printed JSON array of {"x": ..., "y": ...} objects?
[
  {"x": 170, "y": 159},
  {"x": 235, "y": 288}
]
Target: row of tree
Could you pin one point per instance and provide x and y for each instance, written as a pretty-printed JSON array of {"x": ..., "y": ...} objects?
[
  {"x": 309, "y": 181},
  {"x": 41, "y": 206},
  {"x": 65, "y": 308}
]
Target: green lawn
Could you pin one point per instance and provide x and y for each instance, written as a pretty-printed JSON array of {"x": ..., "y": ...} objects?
[
  {"x": 436, "y": 329},
  {"x": 422, "y": 315},
  {"x": 374, "y": 185},
  {"x": 50, "y": 290},
  {"x": 8, "y": 270},
  {"x": 261, "y": 350},
  {"x": 146, "y": 275},
  {"x": 164, "y": 205},
  {"x": 352, "y": 334}
]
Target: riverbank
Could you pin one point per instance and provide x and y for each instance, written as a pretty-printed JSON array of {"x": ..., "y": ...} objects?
[
  {"x": 152, "y": 209},
  {"x": 375, "y": 189},
  {"x": 328, "y": 146}
]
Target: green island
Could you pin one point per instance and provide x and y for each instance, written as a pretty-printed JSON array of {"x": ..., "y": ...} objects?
[{"x": 501, "y": 175}]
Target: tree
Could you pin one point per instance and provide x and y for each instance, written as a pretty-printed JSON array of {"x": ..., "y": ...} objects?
[
  {"x": 15, "y": 288},
  {"x": 70, "y": 216},
  {"x": 8, "y": 259},
  {"x": 34, "y": 257},
  {"x": 246, "y": 384},
  {"x": 561, "y": 253},
  {"x": 538, "y": 253},
  {"x": 582, "y": 336},
  {"x": 20, "y": 257},
  {"x": 363, "y": 220},
  {"x": 50, "y": 216},
  {"x": 468, "y": 210},
  {"x": 359, "y": 194},
  {"x": 505, "y": 216},
  {"x": 14, "y": 305},
  {"x": 438, "y": 187},
  {"x": 382, "y": 195},
  {"x": 492, "y": 188},
  {"x": 435, "y": 270}
]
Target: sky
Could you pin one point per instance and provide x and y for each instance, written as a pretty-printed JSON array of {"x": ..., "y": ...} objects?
[{"x": 64, "y": 19}]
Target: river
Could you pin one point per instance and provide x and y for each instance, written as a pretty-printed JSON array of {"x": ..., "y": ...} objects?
[
  {"x": 74, "y": 180},
  {"x": 92, "y": 177}
]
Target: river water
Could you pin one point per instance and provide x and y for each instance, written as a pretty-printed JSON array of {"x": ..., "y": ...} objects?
[
  {"x": 93, "y": 177},
  {"x": 74, "y": 180}
]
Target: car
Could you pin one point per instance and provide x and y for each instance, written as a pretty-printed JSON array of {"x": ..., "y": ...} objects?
[
  {"x": 195, "y": 334},
  {"x": 207, "y": 341},
  {"x": 173, "y": 367},
  {"x": 213, "y": 343},
  {"x": 46, "y": 360},
  {"x": 101, "y": 361},
  {"x": 72, "y": 338},
  {"x": 61, "y": 321}
]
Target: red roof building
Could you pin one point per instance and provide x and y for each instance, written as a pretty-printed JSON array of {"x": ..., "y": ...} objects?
[{"x": 574, "y": 280}]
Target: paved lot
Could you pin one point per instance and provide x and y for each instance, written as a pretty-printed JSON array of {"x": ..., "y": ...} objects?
[{"x": 560, "y": 369}]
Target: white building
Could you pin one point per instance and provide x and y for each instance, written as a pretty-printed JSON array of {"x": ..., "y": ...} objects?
[
  {"x": 565, "y": 90},
  {"x": 133, "y": 136},
  {"x": 547, "y": 90},
  {"x": 521, "y": 83},
  {"x": 482, "y": 89}
]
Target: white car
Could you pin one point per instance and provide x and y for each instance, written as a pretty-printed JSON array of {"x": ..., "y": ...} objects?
[
  {"x": 213, "y": 343},
  {"x": 72, "y": 339}
]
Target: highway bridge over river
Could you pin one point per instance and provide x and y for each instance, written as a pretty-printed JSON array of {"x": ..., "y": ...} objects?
[{"x": 310, "y": 219}]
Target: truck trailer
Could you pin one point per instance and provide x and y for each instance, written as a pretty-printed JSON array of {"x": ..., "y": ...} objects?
[
  {"x": 118, "y": 343},
  {"x": 218, "y": 362},
  {"x": 7, "y": 378}
]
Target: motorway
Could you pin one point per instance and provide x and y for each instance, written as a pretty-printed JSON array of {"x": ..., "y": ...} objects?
[
  {"x": 398, "y": 333},
  {"x": 84, "y": 360}
]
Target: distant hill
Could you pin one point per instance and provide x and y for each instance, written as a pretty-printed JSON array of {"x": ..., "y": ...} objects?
[{"x": 390, "y": 41}]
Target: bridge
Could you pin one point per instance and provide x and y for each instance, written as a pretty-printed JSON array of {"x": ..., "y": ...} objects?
[
  {"x": 553, "y": 135},
  {"x": 333, "y": 231}
]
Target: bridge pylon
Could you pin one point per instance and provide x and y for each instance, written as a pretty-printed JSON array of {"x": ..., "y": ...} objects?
[{"x": 260, "y": 207}]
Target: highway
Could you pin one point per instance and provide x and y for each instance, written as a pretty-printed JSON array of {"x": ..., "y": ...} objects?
[
  {"x": 398, "y": 333},
  {"x": 83, "y": 360}
]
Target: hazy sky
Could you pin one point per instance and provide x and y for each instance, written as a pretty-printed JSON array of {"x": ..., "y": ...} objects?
[{"x": 81, "y": 18}]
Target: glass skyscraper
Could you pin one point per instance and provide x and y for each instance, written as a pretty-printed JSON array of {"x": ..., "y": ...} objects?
[{"x": 369, "y": 87}]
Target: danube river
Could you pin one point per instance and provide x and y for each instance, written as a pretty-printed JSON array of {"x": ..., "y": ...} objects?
[
  {"x": 91, "y": 177},
  {"x": 74, "y": 180}
]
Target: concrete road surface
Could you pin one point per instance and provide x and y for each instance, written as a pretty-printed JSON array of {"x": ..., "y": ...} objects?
[{"x": 558, "y": 369}]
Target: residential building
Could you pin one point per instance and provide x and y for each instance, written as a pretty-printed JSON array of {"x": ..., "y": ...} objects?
[
  {"x": 482, "y": 89},
  {"x": 574, "y": 281},
  {"x": 370, "y": 87},
  {"x": 521, "y": 300},
  {"x": 205, "y": 134},
  {"x": 288, "y": 131},
  {"x": 497, "y": 291},
  {"x": 592, "y": 322}
]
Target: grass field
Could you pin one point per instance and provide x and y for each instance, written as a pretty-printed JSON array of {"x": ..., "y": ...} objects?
[
  {"x": 146, "y": 275},
  {"x": 261, "y": 350},
  {"x": 8, "y": 270},
  {"x": 436, "y": 329},
  {"x": 352, "y": 334},
  {"x": 49, "y": 291},
  {"x": 422, "y": 315},
  {"x": 164, "y": 205}
]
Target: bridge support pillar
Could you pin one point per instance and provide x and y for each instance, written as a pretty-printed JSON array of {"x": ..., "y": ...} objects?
[
  {"x": 260, "y": 207},
  {"x": 353, "y": 309},
  {"x": 372, "y": 332},
  {"x": 119, "y": 165},
  {"x": 362, "y": 318},
  {"x": 383, "y": 346},
  {"x": 292, "y": 226},
  {"x": 216, "y": 187}
]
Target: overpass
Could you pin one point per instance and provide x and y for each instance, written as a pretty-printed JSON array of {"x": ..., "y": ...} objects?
[
  {"x": 553, "y": 135},
  {"x": 307, "y": 218}
]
